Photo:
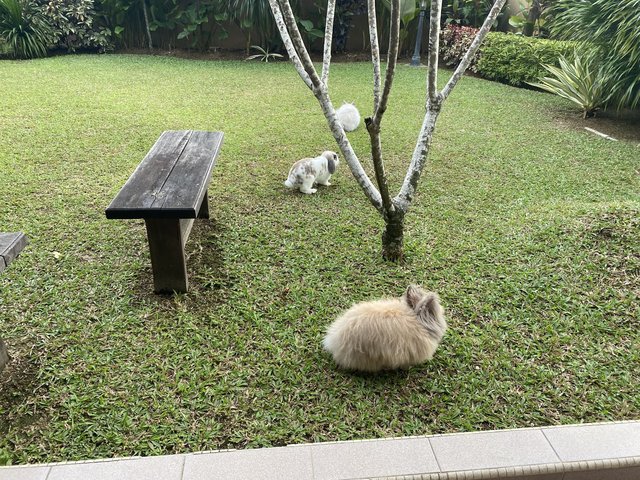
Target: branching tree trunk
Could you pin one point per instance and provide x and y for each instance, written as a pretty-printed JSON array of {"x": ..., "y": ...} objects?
[
  {"x": 146, "y": 24},
  {"x": 392, "y": 210}
]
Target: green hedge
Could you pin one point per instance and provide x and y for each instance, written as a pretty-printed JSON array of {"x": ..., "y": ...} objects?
[{"x": 514, "y": 59}]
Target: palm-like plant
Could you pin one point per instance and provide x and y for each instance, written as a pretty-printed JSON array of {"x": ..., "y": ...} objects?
[
  {"x": 580, "y": 82},
  {"x": 612, "y": 27},
  {"x": 26, "y": 34},
  {"x": 264, "y": 56}
]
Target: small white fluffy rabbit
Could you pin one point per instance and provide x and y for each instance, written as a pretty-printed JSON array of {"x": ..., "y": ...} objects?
[
  {"x": 349, "y": 116},
  {"x": 387, "y": 334},
  {"x": 304, "y": 173}
]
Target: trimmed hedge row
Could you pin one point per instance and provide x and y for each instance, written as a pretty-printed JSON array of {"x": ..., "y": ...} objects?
[{"x": 504, "y": 57}]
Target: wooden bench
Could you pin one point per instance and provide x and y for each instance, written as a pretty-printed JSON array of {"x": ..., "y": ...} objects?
[
  {"x": 169, "y": 190},
  {"x": 11, "y": 244}
]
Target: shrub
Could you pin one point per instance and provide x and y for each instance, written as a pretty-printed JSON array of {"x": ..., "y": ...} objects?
[
  {"x": 454, "y": 43},
  {"x": 516, "y": 60},
  {"x": 74, "y": 25},
  {"x": 612, "y": 28},
  {"x": 25, "y": 32}
]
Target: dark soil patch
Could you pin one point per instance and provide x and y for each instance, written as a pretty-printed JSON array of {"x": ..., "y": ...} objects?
[
  {"x": 613, "y": 240},
  {"x": 18, "y": 381},
  {"x": 221, "y": 54},
  {"x": 623, "y": 126}
]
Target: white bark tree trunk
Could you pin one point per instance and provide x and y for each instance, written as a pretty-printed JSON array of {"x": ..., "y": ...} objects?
[{"x": 392, "y": 210}]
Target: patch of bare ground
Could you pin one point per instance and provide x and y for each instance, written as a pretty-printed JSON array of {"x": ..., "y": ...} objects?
[
  {"x": 613, "y": 240},
  {"x": 623, "y": 126},
  {"x": 223, "y": 54},
  {"x": 18, "y": 382}
]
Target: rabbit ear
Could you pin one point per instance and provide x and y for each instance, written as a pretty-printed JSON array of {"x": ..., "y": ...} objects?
[
  {"x": 332, "y": 165},
  {"x": 413, "y": 295}
]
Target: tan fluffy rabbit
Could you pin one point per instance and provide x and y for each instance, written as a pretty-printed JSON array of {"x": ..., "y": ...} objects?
[{"x": 389, "y": 333}]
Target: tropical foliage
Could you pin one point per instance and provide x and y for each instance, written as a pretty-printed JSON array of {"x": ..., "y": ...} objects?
[
  {"x": 581, "y": 82},
  {"x": 75, "y": 26},
  {"x": 612, "y": 29},
  {"x": 264, "y": 55},
  {"x": 507, "y": 58},
  {"x": 24, "y": 30}
]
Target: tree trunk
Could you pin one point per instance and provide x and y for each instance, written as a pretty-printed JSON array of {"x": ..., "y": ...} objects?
[
  {"x": 392, "y": 237},
  {"x": 146, "y": 24},
  {"x": 532, "y": 18},
  {"x": 4, "y": 356}
]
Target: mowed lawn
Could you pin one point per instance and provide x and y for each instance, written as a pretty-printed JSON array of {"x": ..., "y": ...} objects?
[{"x": 526, "y": 226}]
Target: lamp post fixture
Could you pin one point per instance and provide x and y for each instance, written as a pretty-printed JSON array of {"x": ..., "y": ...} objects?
[{"x": 415, "y": 60}]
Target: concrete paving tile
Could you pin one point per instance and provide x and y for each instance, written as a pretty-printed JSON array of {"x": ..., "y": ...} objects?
[
  {"x": 259, "y": 464},
  {"x": 593, "y": 442},
  {"x": 492, "y": 450},
  {"x": 24, "y": 473},
  {"x": 373, "y": 459},
  {"x": 167, "y": 467},
  {"x": 548, "y": 476},
  {"x": 632, "y": 473}
]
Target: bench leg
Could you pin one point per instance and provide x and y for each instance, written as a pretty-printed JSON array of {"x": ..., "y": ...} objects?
[
  {"x": 204, "y": 208},
  {"x": 167, "y": 255},
  {"x": 4, "y": 355}
]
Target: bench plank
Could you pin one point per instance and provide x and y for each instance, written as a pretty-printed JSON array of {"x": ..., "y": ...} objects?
[
  {"x": 11, "y": 244},
  {"x": 172, "y": 179},
  {"x": 192, "y": 170}
]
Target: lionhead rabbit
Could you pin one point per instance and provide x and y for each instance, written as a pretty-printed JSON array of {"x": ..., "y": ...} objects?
[
  {"x": 389, "y": 333},
  {"x": 304, "y": 173},
  {"x": 349, "y": 116}
]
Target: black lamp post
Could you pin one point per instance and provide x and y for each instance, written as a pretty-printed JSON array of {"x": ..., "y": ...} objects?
[{"x": 415, "y": 60}]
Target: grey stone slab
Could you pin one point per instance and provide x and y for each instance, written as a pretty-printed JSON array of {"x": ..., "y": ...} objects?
[
  {"x": 24, "y": 473},
  {"x": 167, "y": 467},
  {"x": 375, "y": 458},
  {"x": 260, "y": 464},
  {"x": 632, "y": 473},
  {"x": 593, "y": 442},
  {"x": 507, "y": 448}
]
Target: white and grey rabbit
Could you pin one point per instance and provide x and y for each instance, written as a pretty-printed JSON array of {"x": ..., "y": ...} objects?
[
  {"x": 388, "y": 334},
  {"x": 304, "y": 173},
  {"x": 349, "y": 116}
]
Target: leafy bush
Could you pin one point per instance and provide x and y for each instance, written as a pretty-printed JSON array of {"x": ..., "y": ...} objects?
[
  {"x": 25, "y": 31},
  {"x": 612, "y": 28},
  {"x": 581, "y": 82},
  {"x": 516, "y": 60},
  {"x": 454, "y": 43},
  {"x": 74, "y": 25}
]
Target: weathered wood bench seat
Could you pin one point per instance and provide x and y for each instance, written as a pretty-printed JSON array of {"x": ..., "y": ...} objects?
[
  {"x": 11, "y": 244},
  {"x": 169, "y": 190}
]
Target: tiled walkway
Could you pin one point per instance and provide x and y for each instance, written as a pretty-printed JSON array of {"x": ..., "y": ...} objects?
[{"x": 574, "y": 452}]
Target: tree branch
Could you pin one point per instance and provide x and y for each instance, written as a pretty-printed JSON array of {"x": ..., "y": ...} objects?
[
  {"x": 392, "y": 57},
  {"x": 286, "y": 39},
  {"x": 296, "y": 38},
  {"x": 434, "y": 45},
  {"x": 328, "y": 38},
  {"x": 347, "y": 150},
  {"x": 418, "y": 159},
  {"x": 466, "y": 60},
  {"x": 375, "y": 52},
  {"x": 378, "y": 166}
]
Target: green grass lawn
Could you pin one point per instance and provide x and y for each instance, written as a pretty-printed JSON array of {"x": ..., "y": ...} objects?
[{"x": 528, "y": 228}]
